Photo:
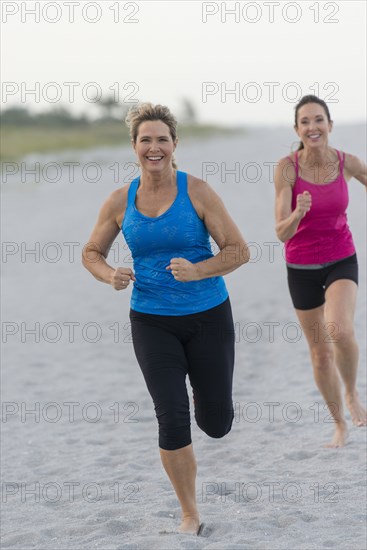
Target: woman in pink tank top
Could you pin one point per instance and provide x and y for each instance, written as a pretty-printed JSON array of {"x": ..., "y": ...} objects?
[{"x": 311, "y": 202}]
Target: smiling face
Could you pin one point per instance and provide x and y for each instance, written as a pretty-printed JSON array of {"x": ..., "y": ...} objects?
[
  {"x": 154, "y": 145},
  {"x": 313, "y": 126}
]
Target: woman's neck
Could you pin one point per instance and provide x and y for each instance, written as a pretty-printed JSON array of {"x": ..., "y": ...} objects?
[
  {"x": 152, "y": 181},
  {"x": 319, "y": 156}
]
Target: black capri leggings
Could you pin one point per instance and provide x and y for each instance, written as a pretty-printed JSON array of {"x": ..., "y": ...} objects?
[{"x": 200, "y": 345}]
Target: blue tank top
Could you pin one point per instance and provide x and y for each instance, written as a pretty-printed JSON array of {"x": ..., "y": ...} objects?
[{"x": 177, "y": 233}]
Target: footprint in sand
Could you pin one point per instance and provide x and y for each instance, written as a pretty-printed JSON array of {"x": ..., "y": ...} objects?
[
  {"x": 71, "y": 441},
  {"x": 116, "y": 527},
  {"x": 103, "y": 461},
  {"x": 272, "y": 428},
  {"x": 308, "y": 518},
  {"x": 285, "y": 521},
  {"x": 164, "y": 514},
  {"x": 300, "y": 455},
  {"x": 19, "y": 541},
  {"x": 128, "y": 546},
  {"x": 94, "y": 442},
  {"x": 107, "y": 513}
]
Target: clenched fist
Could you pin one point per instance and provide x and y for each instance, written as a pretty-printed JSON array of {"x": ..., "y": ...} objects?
[
  {"x": 183, "y": 270},
  {"x": 304, "y": 203},
  {"x": 121, "y": 278}
]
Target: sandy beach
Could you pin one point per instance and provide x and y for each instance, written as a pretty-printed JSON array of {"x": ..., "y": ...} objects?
[{"x": 80, "y": 460}]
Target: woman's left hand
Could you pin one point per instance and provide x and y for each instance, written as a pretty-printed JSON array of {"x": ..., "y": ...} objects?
[{"x": 183, "y": 270}]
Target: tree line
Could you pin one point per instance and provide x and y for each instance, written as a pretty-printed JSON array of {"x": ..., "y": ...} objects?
[{"x": 110, "y": 112}]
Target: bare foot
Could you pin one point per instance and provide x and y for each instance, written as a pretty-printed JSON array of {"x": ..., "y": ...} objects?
[
  {"x": 189, "y": 525},
  {"x": 356, "y": 409},
  {"x": 340, "y": 436}
]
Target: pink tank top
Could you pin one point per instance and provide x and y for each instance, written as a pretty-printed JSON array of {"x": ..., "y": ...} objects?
[{"x": 323, "y": 235}]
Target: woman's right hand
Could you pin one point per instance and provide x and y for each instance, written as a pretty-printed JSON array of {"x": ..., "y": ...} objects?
[
  {"x": 304, "y": 203},
  {"x": 121, "y": 278}
]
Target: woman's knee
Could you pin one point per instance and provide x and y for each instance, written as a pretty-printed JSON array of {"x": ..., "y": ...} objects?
[
  {"x": 343, "y": 335},
  {"x": 216, "y": 432},
  {"x": 322, "y": 358},
  {"x": 215, "y": 419}
]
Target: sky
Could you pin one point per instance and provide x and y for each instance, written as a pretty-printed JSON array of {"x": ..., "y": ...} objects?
[{"x": 238, "y": 63}]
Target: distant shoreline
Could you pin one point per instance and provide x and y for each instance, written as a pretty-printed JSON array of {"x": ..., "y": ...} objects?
[{"x": 19, "y": 141}]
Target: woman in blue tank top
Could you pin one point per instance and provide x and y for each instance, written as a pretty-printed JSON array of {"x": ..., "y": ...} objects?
[{"x": 181, "y": 319}]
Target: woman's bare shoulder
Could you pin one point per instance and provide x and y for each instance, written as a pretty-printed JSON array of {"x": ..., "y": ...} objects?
[
  {"x": 116, "y": 203},
  {"x": 288, "y": 159},
  {"x": 197, "y": 187},
  {"x": 200, "y": 193}
]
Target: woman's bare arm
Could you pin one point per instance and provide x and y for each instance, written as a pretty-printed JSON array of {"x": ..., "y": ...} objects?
[
  {"x": 355, "y": 168},
  {"x": 287, "y": 221},
  {"x": 233, "y": 248},
  {"x": 102, "y": 237}
]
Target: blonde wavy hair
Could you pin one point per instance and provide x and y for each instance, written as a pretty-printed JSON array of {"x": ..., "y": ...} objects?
[{"x": 142, "y": 112}]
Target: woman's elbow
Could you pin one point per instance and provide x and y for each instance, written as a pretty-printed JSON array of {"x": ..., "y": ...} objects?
[
  {"x": 245, "y": 254},
  {"x": 91, "y": 254},
  {"x": 84, "y": 259},
  {"x": 280, "y": 235}
]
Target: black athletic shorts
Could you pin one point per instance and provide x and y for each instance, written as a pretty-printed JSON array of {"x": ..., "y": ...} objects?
[{"x": 307, "y": 286}]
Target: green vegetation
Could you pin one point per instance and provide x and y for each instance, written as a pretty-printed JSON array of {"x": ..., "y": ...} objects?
[
  {"x": 17, "y": 141},
  {"x": 57, "y": 130}
]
